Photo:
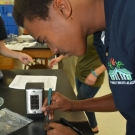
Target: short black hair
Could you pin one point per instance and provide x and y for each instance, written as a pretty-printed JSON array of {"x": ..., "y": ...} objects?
[{"x": 30, "y": 9}]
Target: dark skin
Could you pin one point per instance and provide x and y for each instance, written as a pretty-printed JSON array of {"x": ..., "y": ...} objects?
[
  {"x": 60, "y": 102},
  {"x": 57, "y": 129},
  {"x": 69, "y": 23}
]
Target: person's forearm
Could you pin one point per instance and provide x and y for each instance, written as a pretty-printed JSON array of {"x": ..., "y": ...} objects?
[
  {"x": 7, "y": 52},
  {"x": 99, "y": 104},
  {"x": 100, "y": 70},
  {"x": 63, "y": 56}
]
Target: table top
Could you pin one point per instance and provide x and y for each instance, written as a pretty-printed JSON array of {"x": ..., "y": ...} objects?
[
  {"x": 15, "y": 101},
  {"x": 38, "y": 46},
  {"x": 38, "y": 51}
]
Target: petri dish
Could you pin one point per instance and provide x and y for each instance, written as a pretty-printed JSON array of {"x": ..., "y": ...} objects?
[{"x": 1, "y": 101}]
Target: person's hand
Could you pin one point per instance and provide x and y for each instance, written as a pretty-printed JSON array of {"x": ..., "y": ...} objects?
[
  {"x": 91, "y": 79},
  {"x": 54, "y": 61},
  {"x": 59, "y": 129},
  {"x": 58, "y": 102},
  {"x": 24, "y": 58}
]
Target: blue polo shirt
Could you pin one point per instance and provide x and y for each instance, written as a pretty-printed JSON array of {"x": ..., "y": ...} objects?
[{"x": 118, "y": 54}]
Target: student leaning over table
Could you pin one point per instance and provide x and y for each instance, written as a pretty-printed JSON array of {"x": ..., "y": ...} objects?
[
  {"x": 65, "y": 24},
  {"x": 24, "y": 58},
  {"x": 89, "y": 77}
]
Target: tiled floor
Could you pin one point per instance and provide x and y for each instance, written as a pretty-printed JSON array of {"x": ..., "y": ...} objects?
[{"x": 108, "y": 123}]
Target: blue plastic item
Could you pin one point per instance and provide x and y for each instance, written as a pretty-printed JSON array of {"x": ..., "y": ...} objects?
[
  {"x": 6, "y": 14},
  {"x": 12, "y": 29}
]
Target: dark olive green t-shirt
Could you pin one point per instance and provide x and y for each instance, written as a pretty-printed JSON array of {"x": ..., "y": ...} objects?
[{"x": 89, "y": 61}]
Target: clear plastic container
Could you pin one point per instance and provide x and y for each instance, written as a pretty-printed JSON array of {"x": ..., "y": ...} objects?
[{"x": 11, "y": 121}]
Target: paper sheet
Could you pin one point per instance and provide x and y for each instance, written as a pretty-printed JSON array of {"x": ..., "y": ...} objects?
[
  {"x": 20, "y": 46},
  {"x": 20, "y": 81},
  {"x": 26, "y": 37}
]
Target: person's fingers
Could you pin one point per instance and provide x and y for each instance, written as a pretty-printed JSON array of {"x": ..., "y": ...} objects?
[
  {"x": 52, "y": 63},
  {"x": 24, "y": 61},
  {"x": 43, "y": 106},
  {"x": 30, "y": 60},
  {"x": 46, "y": 127},
  {"x": 27, "y": 61},
  {"x": 58, "y": 102},
  {"x": 46, "y": 111},
  {"x": 24, "y": 58},
  {"x": 53, "y": 125},
  {"x": 50, "y": 107},
  {"x": 86, "y": 81},
  {"x": 45, "y": 102},
  {"x": 89, "y": 82},
  {"x": 51, "y": 115},
  {"x": 53, "y": 98}
]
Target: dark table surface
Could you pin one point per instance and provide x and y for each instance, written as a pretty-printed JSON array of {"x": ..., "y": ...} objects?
[{"x": 15, "y": 101}]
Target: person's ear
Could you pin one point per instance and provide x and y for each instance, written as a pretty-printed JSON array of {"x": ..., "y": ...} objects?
[{"x": 64, "y": 7}]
